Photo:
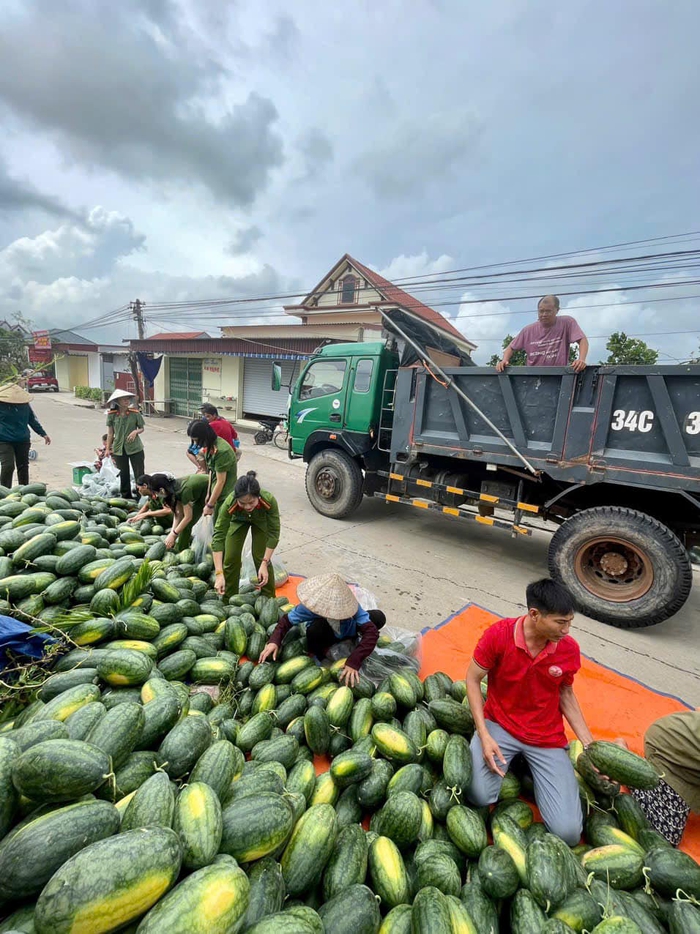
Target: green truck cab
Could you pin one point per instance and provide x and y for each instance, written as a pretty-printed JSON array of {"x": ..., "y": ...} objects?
[{"x": 334, "y": 419}]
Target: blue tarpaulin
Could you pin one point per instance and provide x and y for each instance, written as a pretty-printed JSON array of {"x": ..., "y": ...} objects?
[
  {"x": 20, "y": 640},
  {"x": 150, "y": 366}
]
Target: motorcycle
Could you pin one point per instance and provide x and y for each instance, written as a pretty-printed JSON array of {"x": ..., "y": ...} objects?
[{"x": 267, "y": 430}]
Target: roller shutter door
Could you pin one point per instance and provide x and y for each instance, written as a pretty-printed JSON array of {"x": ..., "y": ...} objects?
[
  {"x": 258, "y": 396},
  {"x": 186, "y": 385}
]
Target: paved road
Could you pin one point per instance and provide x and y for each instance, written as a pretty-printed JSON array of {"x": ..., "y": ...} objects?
[{"x": 422, "y": 567}]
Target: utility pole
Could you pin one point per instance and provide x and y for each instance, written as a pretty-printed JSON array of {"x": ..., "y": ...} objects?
[{"x": 136, "y": 308}]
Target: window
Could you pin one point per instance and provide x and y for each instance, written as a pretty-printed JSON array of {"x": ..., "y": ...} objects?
[
  {"x": 323, "y": 378},
  {"x": 348, "y": 285},
  {"x": 363, "y": 375}
]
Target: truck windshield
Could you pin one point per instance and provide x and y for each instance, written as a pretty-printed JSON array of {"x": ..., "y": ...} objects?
[{"x": 323, "y": 378}]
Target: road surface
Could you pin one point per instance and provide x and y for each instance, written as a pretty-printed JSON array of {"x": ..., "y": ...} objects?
[{"x": 422, "y": 567}]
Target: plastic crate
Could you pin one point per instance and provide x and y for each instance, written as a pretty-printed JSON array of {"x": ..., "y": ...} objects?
[{"x": 80, "y": 470}]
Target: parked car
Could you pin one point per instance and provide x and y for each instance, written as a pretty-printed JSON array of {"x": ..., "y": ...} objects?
[{"x": 42, "y": 381}]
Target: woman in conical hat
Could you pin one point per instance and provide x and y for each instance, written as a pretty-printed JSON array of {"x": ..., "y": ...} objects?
[
  {"x": 16, "y": 418},
  {"x": 125, "y": 426},
  {"x": 331, "y": 613}
]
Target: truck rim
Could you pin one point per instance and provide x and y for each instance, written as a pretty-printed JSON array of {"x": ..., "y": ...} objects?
[
  {"x": 614, "y": 569},
  {"x": 327, "y": 484}
]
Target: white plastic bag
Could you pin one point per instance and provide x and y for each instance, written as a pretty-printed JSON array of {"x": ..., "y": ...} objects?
[
  {"x": 202, "y": 534},
  {"x": 365, "y": 598},
  {"x": 249, "y": 571},
  {"x": 109, "y": 471},
  {"x": 405, "y": 651}
]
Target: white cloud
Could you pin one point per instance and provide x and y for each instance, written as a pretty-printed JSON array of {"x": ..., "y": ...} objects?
[
  {"x": 420, "y": 264},
  {"x": 85, "y": 251},
  {"x": 419, "y": 153}
]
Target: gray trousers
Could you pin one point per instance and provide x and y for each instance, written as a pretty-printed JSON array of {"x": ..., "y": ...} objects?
[{"x": 556, "y": 788}]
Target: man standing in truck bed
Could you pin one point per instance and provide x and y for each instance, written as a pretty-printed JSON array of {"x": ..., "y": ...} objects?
[{"x": 547, "y": 340}]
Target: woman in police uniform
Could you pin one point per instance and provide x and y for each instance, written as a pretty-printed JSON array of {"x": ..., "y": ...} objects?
[
  {"x": 247, "y": 508},
  {"x": 125, "y": 426}
]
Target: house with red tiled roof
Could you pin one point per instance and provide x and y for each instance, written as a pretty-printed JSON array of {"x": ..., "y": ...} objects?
[
  {"x": 349, "y": 299},
  {"x": 234, "y": 371}
]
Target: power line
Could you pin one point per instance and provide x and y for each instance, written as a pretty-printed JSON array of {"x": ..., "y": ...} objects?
[{"x": 259, "y": 306}]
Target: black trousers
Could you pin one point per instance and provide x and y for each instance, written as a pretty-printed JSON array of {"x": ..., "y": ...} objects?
[
  {"x": 320, "y": 635},
  {"x": 138, "y": 465},
  {"x": 14, "y": 453}
]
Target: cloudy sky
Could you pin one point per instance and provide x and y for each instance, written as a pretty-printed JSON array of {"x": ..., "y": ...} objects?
[{"x": 172, "y": 150}]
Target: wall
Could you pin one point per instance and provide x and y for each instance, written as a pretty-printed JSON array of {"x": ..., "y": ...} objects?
[
  {"x": 225, "y": 390},
  {"x": 62, "y": 374},
  {"x": 211, "y": 377},
  {"x": 121, "y": 363},
  {"x": 363, "y": 295},
  {"x": 94, "y": 371},
  {"x": 161, "y": 384},
  {"x": 78, "y": 374}
]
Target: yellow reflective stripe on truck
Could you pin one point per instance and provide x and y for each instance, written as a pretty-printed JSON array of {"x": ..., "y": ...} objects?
[{"x": 526, "y": 507}]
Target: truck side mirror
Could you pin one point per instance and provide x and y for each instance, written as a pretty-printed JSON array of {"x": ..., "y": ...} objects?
[{"x": 276, "y": 377}]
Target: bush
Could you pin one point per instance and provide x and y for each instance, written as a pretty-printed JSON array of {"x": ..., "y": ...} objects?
[{"x": 86, "y": 392}]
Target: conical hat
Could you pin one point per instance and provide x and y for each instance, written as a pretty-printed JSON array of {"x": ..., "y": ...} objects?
[
  {"x": 120, "y": 394},
  {"x": 328, "y": 595},
  {"x": 14, "y": 394}
]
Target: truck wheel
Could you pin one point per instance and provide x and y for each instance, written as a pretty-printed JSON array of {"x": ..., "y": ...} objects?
[
  {"x": 621, "y": 566},
  {"x": 334, "y": 484}
]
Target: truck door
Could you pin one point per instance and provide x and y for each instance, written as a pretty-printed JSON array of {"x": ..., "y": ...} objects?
[
  {"x": 359, "y": 409},
  {"x": 321, "y": 400}
]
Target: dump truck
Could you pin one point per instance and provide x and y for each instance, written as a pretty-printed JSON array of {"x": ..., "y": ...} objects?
[{"x": 608, "y": 459}]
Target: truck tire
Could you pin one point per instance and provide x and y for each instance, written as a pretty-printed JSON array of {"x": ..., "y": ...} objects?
[
  {"x": 621, "y": 566},
  {"x": 334, "y": 484}
]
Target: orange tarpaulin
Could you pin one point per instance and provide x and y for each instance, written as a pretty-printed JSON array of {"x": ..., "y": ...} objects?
[{"x": 614, "y": 704}]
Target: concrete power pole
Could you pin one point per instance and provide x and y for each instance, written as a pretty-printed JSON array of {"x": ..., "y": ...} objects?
[{"x": 137, "y": 310}]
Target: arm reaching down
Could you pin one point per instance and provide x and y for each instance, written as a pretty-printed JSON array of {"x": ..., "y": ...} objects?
[
  {"x": 570, "y": 708},
  {"x": 491, "y": 750}
]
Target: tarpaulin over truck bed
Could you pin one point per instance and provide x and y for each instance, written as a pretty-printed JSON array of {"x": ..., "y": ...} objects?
[{"x": 425, "y": 335}]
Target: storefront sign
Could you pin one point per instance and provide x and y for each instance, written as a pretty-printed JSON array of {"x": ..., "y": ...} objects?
[
  {"x": 39, "y": 355},
  {"x": 42, "y": 340},
  {"x": 212, "y": 365}
]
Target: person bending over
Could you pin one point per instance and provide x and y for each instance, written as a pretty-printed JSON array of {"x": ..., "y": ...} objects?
[{"x": 331, "y": 613}]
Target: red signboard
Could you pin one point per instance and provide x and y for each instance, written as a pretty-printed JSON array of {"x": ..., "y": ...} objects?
[
  {"x": 42, "y": 340},
  {"x": 39, "y": 355}
]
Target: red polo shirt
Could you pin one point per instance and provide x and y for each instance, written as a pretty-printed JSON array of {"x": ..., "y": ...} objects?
[
  {"x": 224, "y": 429},
  {"x": 523, "y": 692}
]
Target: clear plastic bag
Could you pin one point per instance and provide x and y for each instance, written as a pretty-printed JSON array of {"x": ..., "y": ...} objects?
[
  {"x": 404, "y": 651},
  {"x": 109, "y": 471},
  {"x": 249, "y": 571},
  {"x": 103, "y": 483},
  {"x": 365, "y": 598},
  {"x": 202, "y": 534}
]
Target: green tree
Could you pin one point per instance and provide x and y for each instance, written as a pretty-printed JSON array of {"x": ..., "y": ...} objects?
[
  {"x": 629, "y": 350},
  {"x": 13, "y": 354},
  {"x": 519, "y": 357}
]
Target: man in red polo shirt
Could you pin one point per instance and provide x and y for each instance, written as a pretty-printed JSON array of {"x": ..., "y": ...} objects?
[
  {"x": 530, "y": 662},
  {"x": 222, "y": 426}
]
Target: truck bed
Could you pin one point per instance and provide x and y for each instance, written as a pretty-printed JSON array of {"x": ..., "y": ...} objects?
[{"x": 631, "y": 425}]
